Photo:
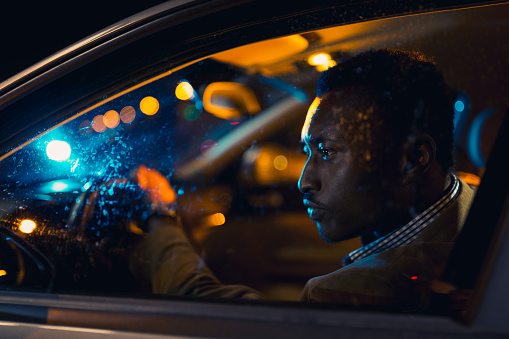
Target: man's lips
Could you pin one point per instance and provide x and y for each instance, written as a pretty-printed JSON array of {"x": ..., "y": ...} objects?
[{"x": 315, "y": 210}]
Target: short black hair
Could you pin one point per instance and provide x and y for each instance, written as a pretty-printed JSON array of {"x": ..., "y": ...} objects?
[{"x": 409, "y": 91}]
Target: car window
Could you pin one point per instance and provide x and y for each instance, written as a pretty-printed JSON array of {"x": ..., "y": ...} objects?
[{"x": 222, "y": 136}]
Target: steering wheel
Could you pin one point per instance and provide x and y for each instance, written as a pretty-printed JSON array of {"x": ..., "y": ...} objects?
[
  {"x": 108, "y": 221},
  {"x": 111, "y": 208}
]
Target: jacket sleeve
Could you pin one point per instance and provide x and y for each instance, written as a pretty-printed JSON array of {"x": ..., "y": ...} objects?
[{"x": 167, "y": 258}]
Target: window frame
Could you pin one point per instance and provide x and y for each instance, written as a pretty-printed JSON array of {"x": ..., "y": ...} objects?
[{"x": 231, "y": 318}]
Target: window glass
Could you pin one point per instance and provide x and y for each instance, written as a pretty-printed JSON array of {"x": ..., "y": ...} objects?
[{"x": 222, "y": 138}]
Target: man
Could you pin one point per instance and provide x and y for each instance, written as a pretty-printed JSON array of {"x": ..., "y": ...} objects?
[
  {"x": 379, "y": 144},
  {"x": 379, "y": 139}
]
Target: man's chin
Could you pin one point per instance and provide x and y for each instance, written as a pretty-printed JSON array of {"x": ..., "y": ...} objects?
[{"x": 324, "y": 234}]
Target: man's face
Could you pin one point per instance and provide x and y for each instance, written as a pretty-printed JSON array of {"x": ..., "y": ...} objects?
[{"x": 343, "y": 188}]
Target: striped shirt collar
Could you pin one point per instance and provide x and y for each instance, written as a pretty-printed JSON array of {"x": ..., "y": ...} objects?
[{"x": 407, "y": 233}]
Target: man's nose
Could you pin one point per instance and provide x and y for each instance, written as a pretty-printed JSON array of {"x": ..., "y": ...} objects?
[{"x": 308, "y": 180}]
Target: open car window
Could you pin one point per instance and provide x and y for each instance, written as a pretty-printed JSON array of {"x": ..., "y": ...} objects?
[{"x": 224, "y": 132}]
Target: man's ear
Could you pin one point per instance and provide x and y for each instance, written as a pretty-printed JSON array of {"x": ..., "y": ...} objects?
[{"x": 419, "y": 155}]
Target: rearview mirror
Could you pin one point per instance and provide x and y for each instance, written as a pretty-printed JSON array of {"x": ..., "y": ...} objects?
[{"x": 229, "y": 100}]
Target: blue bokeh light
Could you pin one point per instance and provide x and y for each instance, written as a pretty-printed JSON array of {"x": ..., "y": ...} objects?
[
  {"x": 459, "y": 106},
  {"x": 86, "y": 186},
  {"x": 474, "y": 138},
  {"x": 59, "y": 186},
  {"x": 58, "y": 150}
]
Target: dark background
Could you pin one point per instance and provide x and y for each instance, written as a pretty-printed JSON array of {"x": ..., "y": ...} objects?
[{"x": 31, "y": 31}]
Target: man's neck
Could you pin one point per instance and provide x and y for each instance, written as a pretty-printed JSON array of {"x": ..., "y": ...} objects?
[{"x": 419, "y": 197}]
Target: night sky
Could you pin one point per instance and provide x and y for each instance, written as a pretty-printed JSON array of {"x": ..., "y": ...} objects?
[{"x": 31, "y": 31}]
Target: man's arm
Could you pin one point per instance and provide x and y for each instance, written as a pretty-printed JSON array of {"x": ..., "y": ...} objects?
[{"x": 168, "y": 260}]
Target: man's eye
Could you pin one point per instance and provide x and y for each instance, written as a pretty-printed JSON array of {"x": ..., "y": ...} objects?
[{"x": 324, "y": 151}]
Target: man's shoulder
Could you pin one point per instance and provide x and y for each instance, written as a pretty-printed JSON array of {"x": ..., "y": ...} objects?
[
  {"x": 447, "y": 226},
  {"x": 398, "y": 277}
]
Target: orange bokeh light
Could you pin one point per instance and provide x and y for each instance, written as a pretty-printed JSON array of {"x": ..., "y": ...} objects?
[
  {"x": 127, "y": 114},
  {"x": 27, "y": 226},
  {"x": 280, "y": 162},
  {"x": 184, "y": 91},
  {"x": 216, "y": 219},
  {"x": 319, "y": 59},
  {"x": 149, "y": 105},
  {"x": 111, "y": 119},
  {"x": 98, "y": 124}
]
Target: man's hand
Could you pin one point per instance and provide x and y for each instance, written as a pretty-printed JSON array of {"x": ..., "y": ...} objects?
[{"x": 156, "y": 186}]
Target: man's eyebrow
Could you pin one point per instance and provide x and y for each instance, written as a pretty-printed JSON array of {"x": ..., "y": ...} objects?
[{"x": 327, "y": 137}]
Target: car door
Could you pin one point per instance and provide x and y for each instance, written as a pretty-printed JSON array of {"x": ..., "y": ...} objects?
[{"x": 210, "y": 97}]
